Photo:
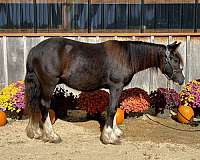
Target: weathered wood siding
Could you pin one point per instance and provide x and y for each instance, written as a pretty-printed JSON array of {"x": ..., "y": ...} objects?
[{"x": 14, "y": 50}]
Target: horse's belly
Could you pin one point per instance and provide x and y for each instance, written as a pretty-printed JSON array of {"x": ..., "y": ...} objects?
[{"x": 84, "y": 82}]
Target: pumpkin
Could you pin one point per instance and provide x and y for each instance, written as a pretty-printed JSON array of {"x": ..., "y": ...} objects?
[
  {"x": 3, "y": 118},
  {"x": 185, "y": 114},
  {"x": 52, "y": 116},
  {"x": 119, "y": 116}
]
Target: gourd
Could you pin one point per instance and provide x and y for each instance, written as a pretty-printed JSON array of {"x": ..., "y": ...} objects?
[
  {"x": 3, "y": 118},
  {"x": 185, "y": 114},
  {"x": 119, "y": 116},
  {"x": 52, "y": 116}
]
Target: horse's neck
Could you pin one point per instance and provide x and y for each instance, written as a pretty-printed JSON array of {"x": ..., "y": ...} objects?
[{"x": 145, "y": 57}]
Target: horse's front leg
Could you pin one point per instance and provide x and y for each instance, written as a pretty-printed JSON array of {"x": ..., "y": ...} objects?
[{"x": 111, "y": 133}]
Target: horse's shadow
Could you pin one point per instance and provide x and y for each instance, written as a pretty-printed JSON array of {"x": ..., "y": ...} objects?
[{"x": 75, "y": 116}]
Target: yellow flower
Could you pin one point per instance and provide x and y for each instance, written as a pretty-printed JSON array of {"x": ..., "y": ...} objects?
[
  {"x": 189, "y": 88},
  {"x": 6, "y": 94},
  {"x": 191, "y": 98},
  {"x": 196, "y": 82},
  {"x": 18, "y": 110}
]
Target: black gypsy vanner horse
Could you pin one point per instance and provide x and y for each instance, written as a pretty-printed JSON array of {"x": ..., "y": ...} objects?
[{"x": 88, "y": 67}]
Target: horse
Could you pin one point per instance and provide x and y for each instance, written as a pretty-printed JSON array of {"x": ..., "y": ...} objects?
[{"x": 88, "y": 67}]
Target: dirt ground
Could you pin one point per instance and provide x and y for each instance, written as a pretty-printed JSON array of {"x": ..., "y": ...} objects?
[{"x": 144, "y": 139}]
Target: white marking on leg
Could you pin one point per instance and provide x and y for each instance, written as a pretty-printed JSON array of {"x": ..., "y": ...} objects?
[
  {"x": 47, "y": 125},
  {"x": 108, "y": 135},
  {"x": 111, "y": 135},
  {"x": 51, "y": 136},
  {"x": 33, "y": 129},
  {"x": 116, "y": 129},
  {"x": 115, "y": 121}
]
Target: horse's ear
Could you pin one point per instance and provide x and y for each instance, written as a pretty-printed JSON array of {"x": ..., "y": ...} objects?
[{"x": 173, "y": 46}]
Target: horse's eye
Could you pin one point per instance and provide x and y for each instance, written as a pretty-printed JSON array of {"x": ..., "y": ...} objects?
[{"x": 176, "y": 60}]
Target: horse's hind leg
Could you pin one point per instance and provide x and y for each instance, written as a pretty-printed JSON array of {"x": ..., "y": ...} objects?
[
  {"x": 48, "y": 133},
  {"x": 34, "y": 128},
  {"x": 32, "y": 97}
]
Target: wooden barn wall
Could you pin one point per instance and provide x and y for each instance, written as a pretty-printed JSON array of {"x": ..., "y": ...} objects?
[{"x": 14, "y": 50}]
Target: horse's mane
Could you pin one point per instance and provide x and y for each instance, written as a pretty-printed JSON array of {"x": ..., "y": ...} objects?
[
  {"x": 180, "y": 57},
  {"x": 143, "y": 55}
]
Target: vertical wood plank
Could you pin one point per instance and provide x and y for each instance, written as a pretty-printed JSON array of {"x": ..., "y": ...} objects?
[
  {"x": 151, "y": 85},
  {"x": 15, "y": 60},
  {"x": 194, "y": 59},
  {"x": 188, "y": 59},
  {"x": 2, "y": 65},
  {"x": 5, "y": 61}
]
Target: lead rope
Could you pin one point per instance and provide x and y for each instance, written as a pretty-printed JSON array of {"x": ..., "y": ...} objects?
[{"x": 155, "y": 121}]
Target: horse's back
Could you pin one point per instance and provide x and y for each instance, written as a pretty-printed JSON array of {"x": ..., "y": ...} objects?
[
  {"x": 46, "y": 56},
  {"x": 79, "y": 65}
]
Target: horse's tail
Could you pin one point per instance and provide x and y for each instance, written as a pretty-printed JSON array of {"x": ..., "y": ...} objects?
[{"x": 32, "y": 89}]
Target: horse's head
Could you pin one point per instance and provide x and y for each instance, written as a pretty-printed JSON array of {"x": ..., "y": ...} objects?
[{"x": 172, "y": 64}]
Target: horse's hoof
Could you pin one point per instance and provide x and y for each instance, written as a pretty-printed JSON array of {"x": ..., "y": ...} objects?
[
  {"x": 52, "y": 138},
  {"x": 115, "y": 141},
  {"x": 38, "y": 135},
  {"x": 110, "y": 136},
  {"x": 118, "y": 132},
  {"x": 33, "y": 134}
]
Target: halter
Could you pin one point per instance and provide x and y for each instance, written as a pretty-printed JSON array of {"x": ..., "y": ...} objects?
[{"x": 168, "y": 64}]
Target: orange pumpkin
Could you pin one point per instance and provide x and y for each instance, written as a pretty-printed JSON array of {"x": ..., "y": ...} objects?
[
  {"x": 52, "y": 116},
  {"x": 185, "y": 114},
  {"x": 119, "y": 116},
  {"x": 3, "y": 118}
]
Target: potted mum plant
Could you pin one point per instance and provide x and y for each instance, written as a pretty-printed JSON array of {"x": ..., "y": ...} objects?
[
  {"x": 94, "y": 103},
  {"x": 134, "y": 101},
  {"x": 12, "y": 100},
  {"x": 190, "y": 96},
  {"x": 163, "y": 100}
]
